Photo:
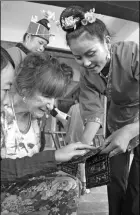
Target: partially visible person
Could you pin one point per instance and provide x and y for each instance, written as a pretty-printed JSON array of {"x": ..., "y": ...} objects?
[
  {"x": 73, "y": 124},
  {"x": 111, "y": 70},
  {"x": 68, "y": 74},
  {"x": 7, "y": 74},
  {"x": 35, "y": 39},
  {"x": 26, "y": 183},
  {"x": 74, "y": 129}
]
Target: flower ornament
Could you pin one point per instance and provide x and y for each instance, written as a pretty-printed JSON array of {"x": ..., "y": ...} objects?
[
  {"x": 70, "y": 22},
  {"x": 51, "y": 15},
  {"x": 89, "y": 17},
  {"x": 48, "y": 15},
  {"x": 34, "y": 19}
]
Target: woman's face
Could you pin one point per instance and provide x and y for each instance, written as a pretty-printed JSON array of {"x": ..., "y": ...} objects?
[
  {"x": 35, "y": 44},
  {"x": 7, "y": 76},
  {"x": 38, "y": 105},
  {"x": 89, "y": 52}
]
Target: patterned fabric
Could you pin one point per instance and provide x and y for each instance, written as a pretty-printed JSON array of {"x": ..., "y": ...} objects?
[
  {"x": 15, "y": 144},
  {"x": 97, "y": 169},
  {"x": 54, "y": 194}
]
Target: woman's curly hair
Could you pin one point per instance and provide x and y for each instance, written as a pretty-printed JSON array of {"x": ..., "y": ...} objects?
[{"x": 42, "y": 73}]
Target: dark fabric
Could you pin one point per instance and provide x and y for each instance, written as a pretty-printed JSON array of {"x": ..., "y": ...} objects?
[
  {"x": 97, "y": 171},
  {"x": 119, "y": 168},
  {"x": 12, "y": 170},
  {"x": 131, "y": 206},
  {"x": 69, "y": 168},
  {"x": 8, "y": 57},
  {"x": 97, "y": 168},
  {"x": 43, "y": 141},
  {"x": 23, "y": 48},
  {"x": 53, "y": 112}
]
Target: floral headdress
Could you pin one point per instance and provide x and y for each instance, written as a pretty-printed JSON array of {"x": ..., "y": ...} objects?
[
  {"x": 70, "y": 22},
  {"x": 40, "y": 30}
]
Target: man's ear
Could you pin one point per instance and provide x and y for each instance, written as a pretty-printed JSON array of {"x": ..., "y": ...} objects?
[{"x": 28, "y": 37}]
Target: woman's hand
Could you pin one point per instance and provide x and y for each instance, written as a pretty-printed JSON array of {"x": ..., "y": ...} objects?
[
  {"x": 117, "y": 142},
  {"x": 74, "y": 149}
]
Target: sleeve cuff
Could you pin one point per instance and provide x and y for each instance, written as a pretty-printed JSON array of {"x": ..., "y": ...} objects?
[{"x": 93, "y": 119}]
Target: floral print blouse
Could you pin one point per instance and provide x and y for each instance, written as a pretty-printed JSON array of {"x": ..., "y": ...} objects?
[{"x": 14, "y": 143}]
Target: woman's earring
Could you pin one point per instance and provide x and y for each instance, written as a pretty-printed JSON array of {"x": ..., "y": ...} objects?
[{"x": 108, "y": 57}]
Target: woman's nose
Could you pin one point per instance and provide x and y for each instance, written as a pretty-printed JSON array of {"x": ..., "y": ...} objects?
[{"x": 86, "y": 62}]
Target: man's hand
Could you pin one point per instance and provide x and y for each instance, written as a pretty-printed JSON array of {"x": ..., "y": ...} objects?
[
  {"x": 117, "y": 142},
  {"x": 74, "y": 149}
]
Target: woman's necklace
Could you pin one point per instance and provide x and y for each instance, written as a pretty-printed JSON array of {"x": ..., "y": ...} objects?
[
  {"x": 26, "y": 129},
  {"x": 109, "y": 78},
  {"x": 104, "y": 77}
]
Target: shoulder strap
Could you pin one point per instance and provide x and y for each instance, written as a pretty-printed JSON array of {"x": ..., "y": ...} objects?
[{"x": 23, "y": 48}]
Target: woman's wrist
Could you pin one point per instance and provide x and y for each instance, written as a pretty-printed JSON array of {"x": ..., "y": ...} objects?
[
  {"x": 57, "y": 156},
  {"x": 55, "y": 112}
]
